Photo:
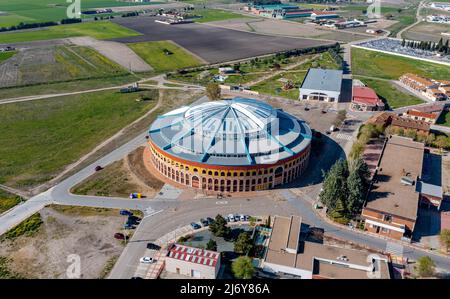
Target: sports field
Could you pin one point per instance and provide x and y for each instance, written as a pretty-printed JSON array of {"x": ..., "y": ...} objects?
[
  {"x": 154, "y": 54},
  {"x": 380, "y": 65},
  {"x": 98, "y": 30},
  {"x": 40, "y": 137}
]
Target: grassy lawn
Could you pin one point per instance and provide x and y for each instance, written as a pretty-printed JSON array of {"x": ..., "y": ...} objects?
[
  {"x": 6, "y": 55},
  {"x": 211, "y": 15},
  {"x": 390, "y": 94},
  {"x": 273, "y": 86},
  {"x": 40, "y": 137},
  {"x": 153, "y": 54},
  {"x": 8, "y": 200},
  {"x": 376, "y": 64},
  {"x": 98, "y": 30},
  {"x": 444, "y": 119}
]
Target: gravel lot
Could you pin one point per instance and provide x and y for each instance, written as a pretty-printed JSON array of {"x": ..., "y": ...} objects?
[
  {"x": 213, "y": 44},
  {"x": 80, "y": 231}
]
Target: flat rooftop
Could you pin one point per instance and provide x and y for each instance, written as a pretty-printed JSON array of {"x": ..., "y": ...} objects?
[
  {"x": 402, "y": 157},
  {"x": 323, "y": 260},
  {"x": 322, "y": 79}
]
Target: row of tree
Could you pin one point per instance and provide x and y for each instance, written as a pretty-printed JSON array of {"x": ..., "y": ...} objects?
[
  {"x": 344, "y": 189},
  {"x": 440, "y": 46},
  {"x": 23, "y": 25}
]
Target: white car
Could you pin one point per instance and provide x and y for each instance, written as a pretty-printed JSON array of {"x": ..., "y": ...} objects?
[
  {"x": 241, "y": 217},
  {"x": 147, "y": 260},
  {"x": 231, "y": 218}
]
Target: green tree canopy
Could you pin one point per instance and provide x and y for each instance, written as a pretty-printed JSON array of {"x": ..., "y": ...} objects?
[
  {"x": 243, "y": 268},
  {"x": 425, "y": 266},
  {"x": 243, "y": 244},
  {"x": 219, "y": 227},
  {"x": 211, "y": 245}
]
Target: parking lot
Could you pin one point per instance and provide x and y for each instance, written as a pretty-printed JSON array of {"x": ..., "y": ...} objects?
[{"x": 213, "y": 44}]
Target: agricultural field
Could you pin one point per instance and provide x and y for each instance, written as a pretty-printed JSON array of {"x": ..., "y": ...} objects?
[
  {"x": 49, "y": 10},
  {"x": 426, "y": 31},
  {"x": 56, "y": 63},
  {"x": 40, "y": 245},
  {"x": 164, "y": 55},
  {"x": 385, "y": 66},
  {"x": 97, "y": 29},
  {"x": 8, "y": 200},
  {"x": 391, "y": 94},
  {"x": 212, "y": 15},
  {"x": 39, "y": 138}
]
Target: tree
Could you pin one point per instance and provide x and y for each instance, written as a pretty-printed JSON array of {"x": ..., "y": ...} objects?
[
  {"x": 243, "y": 268},
  {"x": 441, "y": 142},
  {"x": 444, "y": 237},
  {"x": 219, "y": 227},
  {"x": 335, "y": 185},
  {"x": 213, "y": 91},
  {"x": 425, "y": 266},
  {"x": 243, "y": 243},
  {"x": 357, "y": 185},
  {"x": 211, "y": 245},
  {"x": 341, "y": 115},
  {"x": 403, "y": 42}
]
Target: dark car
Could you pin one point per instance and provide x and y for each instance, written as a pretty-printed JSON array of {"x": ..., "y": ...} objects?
[
  {"x": 204, "y": 222},
  {"x": 133, "y": 219},
  {"x": 324, "y": 111},
  {"x": 210, "y": 220},
  {"x": 195, "y": 225},
  {"x": 125, "y": 213},
  {"x": 153, "y": 246},
  {"x": 98, "y": 168},
  {"x": 306, "y": 109},
  {"x": 119, "y": 236}
]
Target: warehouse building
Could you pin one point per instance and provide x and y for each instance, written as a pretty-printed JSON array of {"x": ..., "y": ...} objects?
[
  {"x": 322, "y": 85},
  {"x": 232, "y": 145}
]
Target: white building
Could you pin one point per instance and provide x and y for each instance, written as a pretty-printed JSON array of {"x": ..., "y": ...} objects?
[
  {"x": 322, "y": 85},
  {"x": 192, "y": 262},
  {"x": 440, "y": 5}
]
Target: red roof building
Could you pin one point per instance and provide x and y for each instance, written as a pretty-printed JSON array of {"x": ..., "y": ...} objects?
[
  {"x": 365, "y": 99},
  {"x": 423, "y": 116}
]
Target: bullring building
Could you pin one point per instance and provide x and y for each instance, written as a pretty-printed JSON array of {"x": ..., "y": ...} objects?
[{"x": 229, "y": 146}]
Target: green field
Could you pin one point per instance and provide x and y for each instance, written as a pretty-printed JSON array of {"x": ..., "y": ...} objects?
[
  {"x": 390, "y": 94},
  {"x": 50, "y": 10},
  {"x": 8, "y": 200},
  {"x": 212, "y": 15},
  {"x": 40, "y": 137},
  {"x": 153, "y": 54},
  {"x": 98, "y": 30},
  {"x": 380, "y": 65},
  {"x": 6, "y": 55},
  {"x": 273, "y": 86}
]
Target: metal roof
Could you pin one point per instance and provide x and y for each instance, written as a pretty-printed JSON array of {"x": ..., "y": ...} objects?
[
  {"x": 322, "y": 79},
  {"x": 239, "y": 131},
  {"x": 429, "y": 189}
]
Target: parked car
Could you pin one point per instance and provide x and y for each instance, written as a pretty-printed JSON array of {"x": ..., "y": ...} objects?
[
  {"x": 204, "y": 222},
  {"x": 125, "y": 212},
  {"x": 133, "y": 219},
  {"x": 324, "y": 111},
  {"x": 136, "y": 277},
  {"x": 306, "y": 109},
  {"x": 240, "y": 217},
  {"x": 195, "y": 225},
  {"x": 98, "y": 168},
  {"x": 210, "y": 220},
  {"x": 147, "y": 260},
  {"x": 119, "y": 236},
  {"x": 153, "y": 246},
  {"x": 128, "y": 226},
  {"x": 230, "y": 218}
]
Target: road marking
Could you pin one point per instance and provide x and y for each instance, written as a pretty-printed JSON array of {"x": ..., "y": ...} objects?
[
  {"x": 344, "y": 136},
  {"x": 149, "y": 210},
  {"x": 221, "y": 202}
]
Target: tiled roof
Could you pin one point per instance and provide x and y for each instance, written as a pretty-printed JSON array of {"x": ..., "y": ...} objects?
[
  {"x": 194, "y": 255},
  {"x": 365, "y": 95}
]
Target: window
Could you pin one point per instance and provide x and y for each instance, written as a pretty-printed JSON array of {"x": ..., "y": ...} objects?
[
  {"x": 305, "y": 96},
  {"x": 387, "y": 218},
  {"x": 384, "y": 230}
]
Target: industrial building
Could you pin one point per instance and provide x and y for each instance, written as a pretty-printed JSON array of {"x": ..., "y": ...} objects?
[
  {"x": 322, "y": 85},
  {"x": 278, "y": 11},
  {"x": 323, "y": 15},
  {"x": 231, "y": 145},
  {"x": 192, "y": 262},
  {"x": 290, "y": 252}
]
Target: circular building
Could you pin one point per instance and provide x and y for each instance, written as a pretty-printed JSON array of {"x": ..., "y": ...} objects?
[{"x": 229, "y": 146}]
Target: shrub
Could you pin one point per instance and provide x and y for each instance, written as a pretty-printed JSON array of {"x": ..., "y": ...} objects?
[
  {"x": 27, "y": 227},
  {"x": 243, "y": 268}
]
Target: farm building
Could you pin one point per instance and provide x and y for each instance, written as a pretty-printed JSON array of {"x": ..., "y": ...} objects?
[{"x": 322, "y": 85}]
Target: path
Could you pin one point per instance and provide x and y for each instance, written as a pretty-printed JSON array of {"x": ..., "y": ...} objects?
[{"x": 418, "y": 20}]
